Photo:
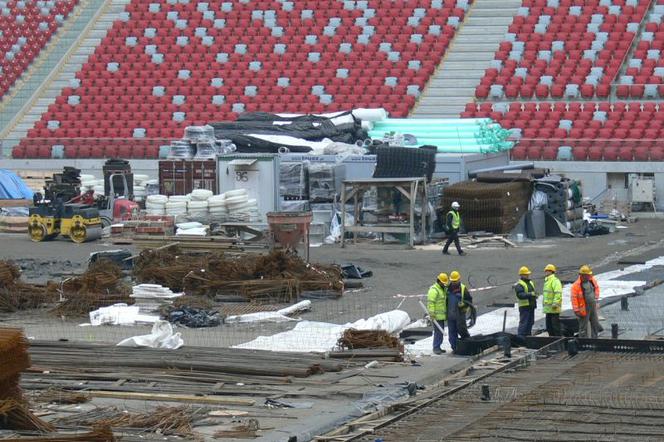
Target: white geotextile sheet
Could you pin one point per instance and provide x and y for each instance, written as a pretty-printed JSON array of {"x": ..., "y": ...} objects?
[
  {"x": 282, "y": 315},
  {"x": 322, "y": 336},
  {"x": 120, "y": 314},
  {"x": 161, "y": 336},
  {"x": 492, "y": 322}
]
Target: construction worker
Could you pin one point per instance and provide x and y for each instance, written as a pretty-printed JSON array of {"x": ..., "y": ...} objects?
[
  {"x": 527, "y": 299},
  {"x": 437, "y": 308},
  {"x": 458, "y": 300},
  {"x": 552, "y": 300},
  {"x": 453, "y": 223},
  {"x": 585, "y": 294}
]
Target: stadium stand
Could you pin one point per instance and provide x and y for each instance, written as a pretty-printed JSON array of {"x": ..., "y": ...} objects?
[
  {"x": 25, "y": 28},
  {"x": 571, "y": 51},
  {"x": 594, "y": 131},
  {"x": 168, "y": 64}
]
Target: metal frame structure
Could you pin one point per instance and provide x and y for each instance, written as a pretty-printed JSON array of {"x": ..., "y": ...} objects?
[{"x": 410, "y": 188}]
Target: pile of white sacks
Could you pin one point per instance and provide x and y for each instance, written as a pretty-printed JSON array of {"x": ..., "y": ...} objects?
[
  {"x": 141, "y": 182},
  {"x": 234, "y": 205}
]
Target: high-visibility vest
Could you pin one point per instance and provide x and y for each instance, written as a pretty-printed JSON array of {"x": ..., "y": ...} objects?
[
  {"x": 456, "y": 219},
  {"x": 437, "y": 302},
  {"x": 578, "y": 300},
  {"x": 462, "y": 301},
  {"x": 526, "y": 288},
  {"x": 552, "y": 294}
]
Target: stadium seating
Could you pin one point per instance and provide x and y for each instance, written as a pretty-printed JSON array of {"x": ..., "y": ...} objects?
[
  {"x": 571, "y": 51},
  {"x": 606, "y": 131},
  {"x": 25, "y": 28},
  {"x": 167, "y": 64},
  {"x": 645, "y": 69}
]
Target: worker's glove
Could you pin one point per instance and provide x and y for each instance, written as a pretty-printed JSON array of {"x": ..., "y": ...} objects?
[{"x": 427, "y": 318}]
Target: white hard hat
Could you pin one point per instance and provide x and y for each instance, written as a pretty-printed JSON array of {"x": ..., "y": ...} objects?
[{"x": 455, "y": 205}]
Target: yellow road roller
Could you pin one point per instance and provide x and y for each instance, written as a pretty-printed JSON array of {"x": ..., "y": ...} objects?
[{"x": 80, "y": 222}]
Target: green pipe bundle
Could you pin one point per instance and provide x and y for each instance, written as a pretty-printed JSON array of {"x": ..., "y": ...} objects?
[{"x": 454, "y": 135}]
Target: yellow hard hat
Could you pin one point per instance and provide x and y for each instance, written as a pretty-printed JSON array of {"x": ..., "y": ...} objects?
[
  {"x": 550, "y": 268},
  {"x": 455, "y": 276},
  {"x": 585, "y": 270},
  {"x": 443, "y": 279},
  {"x": 524, "y": 271}
]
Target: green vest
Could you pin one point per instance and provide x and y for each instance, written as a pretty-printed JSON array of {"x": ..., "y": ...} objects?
[
  {"x": 552, "y": 294},
  {"x": 437, "y": 302},
  {"x": 456, "y": 219},
  {"x": 525, "y": 302}
]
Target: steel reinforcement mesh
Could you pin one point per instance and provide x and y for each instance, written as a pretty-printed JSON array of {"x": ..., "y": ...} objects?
[{"x": 493, "y": 207}]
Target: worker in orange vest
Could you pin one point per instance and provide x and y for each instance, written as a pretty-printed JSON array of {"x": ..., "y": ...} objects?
[{"x": 585, "y": 296}]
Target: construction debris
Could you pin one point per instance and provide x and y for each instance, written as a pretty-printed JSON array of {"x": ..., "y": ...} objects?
[
  {"x": 98, "y": 434},
  {"x": 100, "y": 286},
  {"x": 16, "y": 295},
  {"x": 242, "y": 430},
  {"x": 13, "y": 360},
  {"x": 162, "y": 420},
  {"x": 59, "y": 396},
  {"x": 354, "y": 339},
  {"x": 16, "y": 416}
]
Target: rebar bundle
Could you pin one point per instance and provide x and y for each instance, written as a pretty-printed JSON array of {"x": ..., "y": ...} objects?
[
  {"x": 17, "y": 295},
  {"x": 493, "y": 207},
  {"x": 98, "y": 434},
  {"x": 163, "y": 420},
  {"x": 353, "y": 339},
  {"x": 279, "y": 276},
  {"x": 14, "y": 358},
  {"x": 16, "y": 416},
  {"x": 100, "y": 286}
]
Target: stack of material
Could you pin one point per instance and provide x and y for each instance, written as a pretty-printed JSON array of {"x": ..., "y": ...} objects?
[
  {"x": 177, "y": 205},
  {"x": 294, "y": 181},
  {"x": 353, "y": 339},
  {"x": 324, "y": 182},
  {"x": 240, "y": 207},
  {"x": 156, "y": 204},
  {"x": 466, "y": 135},
  {"x": 100, "y": 286},
  {"x": 112, "y": 363},
  {"x": 17, "y": 295},
  {"x": 564, "y": 200},
  {"x": 152, "y": 297},
  {"x": 279, "y": 276},
  {"x": 491, "y": 207},
  {"x": 14, "y": 358}
]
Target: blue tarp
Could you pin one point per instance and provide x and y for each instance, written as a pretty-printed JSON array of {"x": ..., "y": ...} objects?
[{"x": 12, "y": 187}]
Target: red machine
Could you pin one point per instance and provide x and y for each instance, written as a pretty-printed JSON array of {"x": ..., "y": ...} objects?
[{"x": 112, "y": 208}]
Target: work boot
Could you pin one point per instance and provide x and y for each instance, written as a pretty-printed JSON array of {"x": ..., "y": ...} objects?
[
  {"x": 438, "y": 351},
  {"x": 462, "y": 253},
  {"x": 445, "y": 252}
]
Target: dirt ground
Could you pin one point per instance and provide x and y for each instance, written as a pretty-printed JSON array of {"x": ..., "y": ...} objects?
[{"x": 396, "y": 270}]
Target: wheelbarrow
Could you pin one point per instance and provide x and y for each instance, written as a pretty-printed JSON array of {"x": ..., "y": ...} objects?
[{"x": 289, "y": 228}]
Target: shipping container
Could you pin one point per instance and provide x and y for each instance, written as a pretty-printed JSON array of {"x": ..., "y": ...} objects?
[{"x": 180, "y": 177}]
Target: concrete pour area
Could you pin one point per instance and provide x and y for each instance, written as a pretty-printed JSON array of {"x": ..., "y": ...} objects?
[{"x": 400, "y": 278}]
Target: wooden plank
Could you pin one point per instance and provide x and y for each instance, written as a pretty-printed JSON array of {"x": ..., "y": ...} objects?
[
  {"x": 15, "y": 203},
  {"x": 172, "y": 398}
]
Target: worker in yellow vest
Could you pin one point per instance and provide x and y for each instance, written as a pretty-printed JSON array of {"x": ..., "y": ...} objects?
[
  {"x": 453, "y": 224},
  {"x": 527, "y": 300},
  {"x": 552, "y": 300},
  {"x": 437, "y": 308}
]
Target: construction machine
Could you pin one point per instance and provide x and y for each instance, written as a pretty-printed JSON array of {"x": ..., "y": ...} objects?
[
  {"x": 80, "y": 222},
  {"x": 81, "y": 218}
]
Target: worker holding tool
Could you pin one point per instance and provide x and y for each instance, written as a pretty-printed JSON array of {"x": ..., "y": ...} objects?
[
  {"x": 527, "y": 300},
  {"x": 437, "y": 308},
  {"x": 453, "y": 225},
  {"x": 585, "y": 295},
  {"x": 458, "y": 304},
  {"x": 552, "y": 299}
]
